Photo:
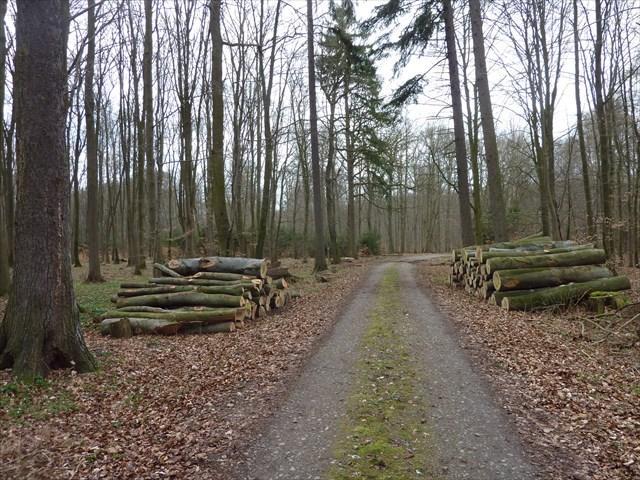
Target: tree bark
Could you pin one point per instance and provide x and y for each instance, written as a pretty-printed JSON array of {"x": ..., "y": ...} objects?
[
  {"x": 464, "y": 200},
  {"x": 320, "y": 259},
  {"x": 5, "y": 254},
  {"x": 522, "y": 279},
  {"x": 496, "y": 196},
  {"x": 41, "y": 327},
  {"x": 153, "y": 242},
  {"x": 216, "y": 165},
  {"x": 93, "y": 224}
]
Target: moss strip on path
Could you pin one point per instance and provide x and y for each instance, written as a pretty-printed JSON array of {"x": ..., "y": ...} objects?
[{"x": 386, "y": 435}]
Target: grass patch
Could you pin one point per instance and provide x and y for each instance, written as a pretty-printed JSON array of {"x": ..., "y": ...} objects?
[
  {"x": 35, "y": 400},
  {"x": 95, "y": 298},
  {"x": 386, "y": 436}
]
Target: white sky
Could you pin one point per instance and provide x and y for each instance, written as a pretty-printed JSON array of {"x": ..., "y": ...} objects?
[{"x": 435, "y": 101}]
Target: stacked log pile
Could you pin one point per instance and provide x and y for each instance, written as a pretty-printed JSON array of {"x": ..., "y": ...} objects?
[
  {"x": 536, "y": 272},
  {"x": 197, "y": 295}
]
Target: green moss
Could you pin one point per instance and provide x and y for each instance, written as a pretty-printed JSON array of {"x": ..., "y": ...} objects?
[
  {"x": 386, "y": 435},
  {"x": 34, "y": 400}
]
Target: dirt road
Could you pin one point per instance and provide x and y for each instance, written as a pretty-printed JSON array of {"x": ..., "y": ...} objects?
[{"x": 472, "y": 438}]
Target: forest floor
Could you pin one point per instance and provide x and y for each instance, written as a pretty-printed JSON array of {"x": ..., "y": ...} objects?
[
  {"x": 575, "y": 398},
  {"x": 413, "y": 380},
  {"x": 163, "y": 407}
]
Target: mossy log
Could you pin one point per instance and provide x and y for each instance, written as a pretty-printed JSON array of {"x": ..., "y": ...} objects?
[
  {"x": 142, "y": 325},
  {"x": 177, "y": 316},
  {"x": 498, "y": 253},
  {"x": 116, "y": 327},
  {"x": 227, "y": 277},
  {"x": 564, "y": 294},
  {"x": 232, "y": 290},
  {"x": 278, "y": 272},
  {"x": 201, "y": 282},
  {"x": 166, "y": 270},
  {"x": 245, "y": 266},
  {"x": 183, "y": 299},
  {"x": 152, "y": 290},
  {"x": 527, "y": 278},
  {"x": 568, "y": 259}
]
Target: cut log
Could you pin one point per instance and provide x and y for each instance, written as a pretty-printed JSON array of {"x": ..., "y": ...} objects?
[
  {"x": 278, "y": 272},
  {"x": 116, "y": 327},
  {"x": 166, "y": 270},
  {"x": 183, "y": 299},
  {"x": 145, "y": 325},
  {"x": 246, "y": 266},
  {"x": 151, "y": 290},
  {"x": 564, "y": 294},
  {"x": 205, "y": 283},
  {"x": 178, "y": 316},
  {"x": 569, "y": 259},
  {"x": 227, "y": 277},
  {"x": 232, "y": 290},
  {"x": 280, "y": 283},
  {"x": 526, "y": 278},
  {"x": 497, "y": 253}
]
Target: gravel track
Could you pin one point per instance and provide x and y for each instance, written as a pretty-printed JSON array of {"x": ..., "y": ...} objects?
[{"x": 474, "y": 439}]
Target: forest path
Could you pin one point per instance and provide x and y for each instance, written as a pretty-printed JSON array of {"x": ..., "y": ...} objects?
[{"x": 472, "y": 438}]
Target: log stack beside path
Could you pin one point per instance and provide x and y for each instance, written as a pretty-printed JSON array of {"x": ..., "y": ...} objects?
[
  {"x": 197, "y": 295},
  {"x": 536, "y": 272}
]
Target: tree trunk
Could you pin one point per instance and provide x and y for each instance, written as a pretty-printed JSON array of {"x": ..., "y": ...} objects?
[
  {"x": 4, "y": 233},
  {"x": 523, "y": 279},
  {"x": 564, "y": 294},
  {"x": 330, "y": 183},
  {"x": 464, "y": 200},
  {"x": 41, "y": 327},
  {"x": 496, "y": 197},
  {"x": 93, "y": 224},
  {"x": 603, "y": 133},
  {"x": 569, "y": 259},
  {"x": 153, "y": 242},
  {"x": 216, "y": 166},
  {"x": 320, "y": 259}
]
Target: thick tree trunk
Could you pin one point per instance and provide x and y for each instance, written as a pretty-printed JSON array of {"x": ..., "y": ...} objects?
[
  {"x": 93, "y": 224},
  {"x": 256, "y": 267},
  {"x": 464, "y": 200},
  {"x": 569, "y": 259},
  {"x": 496, "y": 197},
  {"x": 523, "y": 279},
  {"x": 41, "y": 327},
  {"x": 320, "y": 259},
  {"x": 564, "y": 294}
]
